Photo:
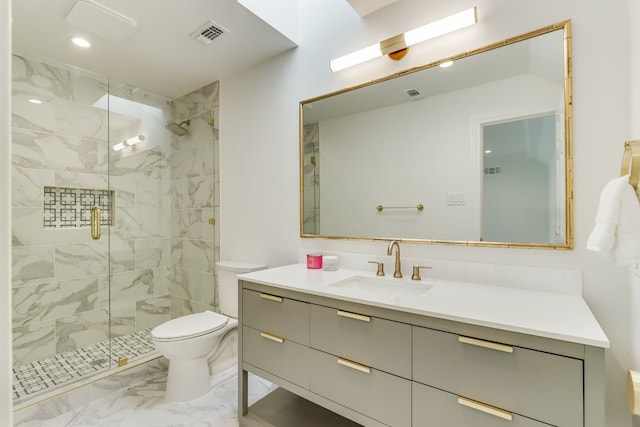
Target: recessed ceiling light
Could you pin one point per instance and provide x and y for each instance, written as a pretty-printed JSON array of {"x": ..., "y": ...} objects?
[
  {"x": 487, "y": 151},
  {"x": 35, "y": 101},
  {"x": 79, "y": 41},
  {"x": 446, "y": 64}
]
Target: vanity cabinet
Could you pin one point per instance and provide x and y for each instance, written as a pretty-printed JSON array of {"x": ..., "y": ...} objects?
[
  {"x": 540, "y": 385},
  {"x": 368, "y": 365},
  {"x": 446, "y": 409},
  {"x": 275, "y": 335},
  {"x": 282, "y": 317},
  {"x": 361, "y": 337},
  {"x": 381, "y": 396}
]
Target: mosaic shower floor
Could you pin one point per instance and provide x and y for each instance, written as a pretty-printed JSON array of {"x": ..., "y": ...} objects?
[{"x": 40, "y": 376}]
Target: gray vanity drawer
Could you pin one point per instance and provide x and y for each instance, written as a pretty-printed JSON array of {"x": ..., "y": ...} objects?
[
  {"x": 380, "y": 343},
  {"x": 378, "y": 395},
  {"x": 539, "y": 385},
  {"x": 287, "y": 359},
  {"x": 280, "y": 316},
  {"x": 435, "y": 407}
]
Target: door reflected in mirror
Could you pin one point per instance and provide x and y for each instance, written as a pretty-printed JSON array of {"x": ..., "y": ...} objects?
[
  {"x": 483, "y": 145},
  {"x": 522, "y": 161}
]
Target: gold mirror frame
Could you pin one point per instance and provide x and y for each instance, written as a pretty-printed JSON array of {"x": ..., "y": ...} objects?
[{"x": 568, "y": 129}]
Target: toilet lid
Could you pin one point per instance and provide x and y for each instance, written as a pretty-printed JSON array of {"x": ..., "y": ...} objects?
[{"x": 190, "y": 326}]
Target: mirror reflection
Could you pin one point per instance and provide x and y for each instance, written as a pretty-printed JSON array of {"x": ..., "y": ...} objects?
[{"x": 477, "y": 153}]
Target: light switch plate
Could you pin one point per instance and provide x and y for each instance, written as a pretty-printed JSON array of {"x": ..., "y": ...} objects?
[{"x": 456, "y": 199}]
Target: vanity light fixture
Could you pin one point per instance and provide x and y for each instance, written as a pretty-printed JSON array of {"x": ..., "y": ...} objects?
[
  {"x": 396, "y": 47},
  {"x": 128, "y": 143}
]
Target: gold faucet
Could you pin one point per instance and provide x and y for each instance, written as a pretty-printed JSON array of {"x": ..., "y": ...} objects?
[{"x": 394, "y": 243}]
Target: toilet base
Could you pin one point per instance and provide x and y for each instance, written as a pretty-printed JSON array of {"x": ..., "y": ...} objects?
[{"x": 187, "y": 380}]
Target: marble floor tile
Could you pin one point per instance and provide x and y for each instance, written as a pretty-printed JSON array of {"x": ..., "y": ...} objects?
[{"x": 144, "y": 405}]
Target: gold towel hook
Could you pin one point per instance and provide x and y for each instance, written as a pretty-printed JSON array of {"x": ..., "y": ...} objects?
[{"x": 631, "y": 158}]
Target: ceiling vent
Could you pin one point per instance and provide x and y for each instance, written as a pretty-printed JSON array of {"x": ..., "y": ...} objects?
[
  {"x": 412, "y": 92},
  {"x": 492, "y": 171},
  {"x": 209, "y": 32}
]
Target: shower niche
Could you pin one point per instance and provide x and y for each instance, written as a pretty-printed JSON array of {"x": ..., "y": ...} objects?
[
  {"x": 84, "y": 303},
  {"x": 72, "y": 207}
]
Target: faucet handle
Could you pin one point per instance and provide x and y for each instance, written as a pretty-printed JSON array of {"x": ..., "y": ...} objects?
[
  {"x": 416, "y": 272},
  {"x": 380, "y": 271}
]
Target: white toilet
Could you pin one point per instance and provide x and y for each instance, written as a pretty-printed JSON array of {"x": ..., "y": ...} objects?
[{"x": 188, "y": 341}]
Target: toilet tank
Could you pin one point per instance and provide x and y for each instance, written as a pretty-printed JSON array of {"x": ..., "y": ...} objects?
[{"x": 228, "y": 283}]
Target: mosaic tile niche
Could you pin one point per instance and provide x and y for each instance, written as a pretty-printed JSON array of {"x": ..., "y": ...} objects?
[{"x": 71, "y": 207}]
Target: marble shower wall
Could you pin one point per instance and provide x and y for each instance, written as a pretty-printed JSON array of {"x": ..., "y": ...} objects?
[
  {"x": 311, "y": 138},
  {"x": 61, "y": 276},
  {"x": 195, "y": 180}
]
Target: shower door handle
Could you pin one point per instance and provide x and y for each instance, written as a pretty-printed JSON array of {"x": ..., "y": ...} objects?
[{"x": 95, "y": 222}]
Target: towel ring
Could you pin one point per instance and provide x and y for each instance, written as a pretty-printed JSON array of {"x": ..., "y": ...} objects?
[{"x": 631, "y": 158}]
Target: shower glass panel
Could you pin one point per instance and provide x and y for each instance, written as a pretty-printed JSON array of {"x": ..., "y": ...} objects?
[
  {"x": 60, "y": 273},
  {"x": 140, "y": 230},
  {"x": 114, "y": 227},
  {"x": 90, "y": 246}
]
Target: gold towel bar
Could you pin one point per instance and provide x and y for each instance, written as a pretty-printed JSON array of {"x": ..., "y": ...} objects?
[
  {"x": 380, "y": 208},
  {"x": 631, "y": 158}
]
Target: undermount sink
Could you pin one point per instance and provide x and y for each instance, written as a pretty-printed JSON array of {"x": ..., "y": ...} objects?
[{"x": 384, "y": 287}]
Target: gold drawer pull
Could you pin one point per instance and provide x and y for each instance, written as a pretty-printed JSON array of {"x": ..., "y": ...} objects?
[
  {"x": 354, "y": 365},
  {"x": 486, "y": 344},
  {"x": 271, "y": 297},
  {"x": 272, "y": 337},
  {"x": 354, "y": 316},
  {"x": 487, "y": 409}
]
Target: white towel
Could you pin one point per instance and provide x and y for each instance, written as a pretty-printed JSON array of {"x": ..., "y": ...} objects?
[{"x": 616, "y": 234}]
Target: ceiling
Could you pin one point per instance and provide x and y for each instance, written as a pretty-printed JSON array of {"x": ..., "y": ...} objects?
[
  {"x": 160, "y": 56},
  {"x": 366, "y": 7}
]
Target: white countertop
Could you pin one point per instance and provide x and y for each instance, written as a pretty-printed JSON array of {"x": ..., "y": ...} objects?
[{"x": 545, "y": 314}]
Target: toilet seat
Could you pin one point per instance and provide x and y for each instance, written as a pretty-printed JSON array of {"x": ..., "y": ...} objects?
[{"x": 190, "y": 326}]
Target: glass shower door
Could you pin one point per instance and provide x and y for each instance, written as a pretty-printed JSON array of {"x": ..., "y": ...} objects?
[{"x": 60, "y": 278}]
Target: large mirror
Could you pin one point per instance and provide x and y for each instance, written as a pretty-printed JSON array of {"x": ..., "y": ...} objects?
[{"x": 478, "y": 153}]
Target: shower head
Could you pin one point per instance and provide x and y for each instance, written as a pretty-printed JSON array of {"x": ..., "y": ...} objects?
[{"x": 178, "y": 128}]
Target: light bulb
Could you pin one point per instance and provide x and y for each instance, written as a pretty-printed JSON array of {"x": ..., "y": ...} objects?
[
  {"x": 356, "y": 57},
  {"x": 134, "y": 140},
  {"x": 79, "y": 41}
]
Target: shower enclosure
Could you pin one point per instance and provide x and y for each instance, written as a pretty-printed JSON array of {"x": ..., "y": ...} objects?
[{"x": 113, "y": 229}]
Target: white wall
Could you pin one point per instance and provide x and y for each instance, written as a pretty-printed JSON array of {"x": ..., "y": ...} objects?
[
  {"x": 634, "y": 108},
  {"x": 6, "y": 376},
  {"x": 259, "y": 138}
]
